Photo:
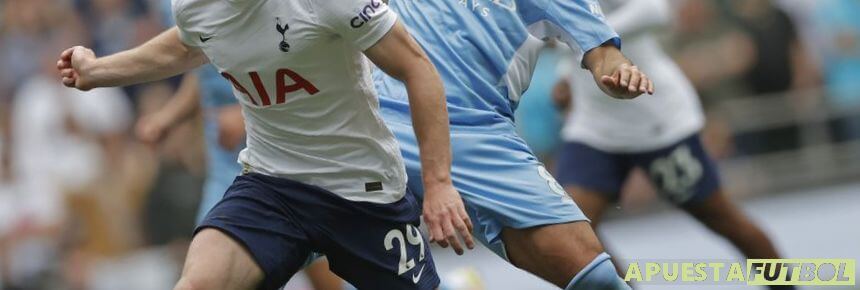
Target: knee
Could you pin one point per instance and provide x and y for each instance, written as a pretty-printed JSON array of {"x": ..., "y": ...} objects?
[{"x": 558, "y": 252}]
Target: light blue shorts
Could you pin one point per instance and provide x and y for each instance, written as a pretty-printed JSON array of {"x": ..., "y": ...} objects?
[{"x": 500, "y": 180}]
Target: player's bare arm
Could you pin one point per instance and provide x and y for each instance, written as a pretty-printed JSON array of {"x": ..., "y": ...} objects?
[
  {"x": 615, "y": 74},
  {"x": 185, "y": 102},
  {"x": 231, "y": 127},
  {"x": 402, "y": 58},
  {"x": 159, "y": 58}
]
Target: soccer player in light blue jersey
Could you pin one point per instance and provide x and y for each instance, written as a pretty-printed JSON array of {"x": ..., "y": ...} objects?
[{"x": 486, "y": 51}]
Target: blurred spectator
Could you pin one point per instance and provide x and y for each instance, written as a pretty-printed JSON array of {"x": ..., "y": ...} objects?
[
  {"x": 712, "y": 51},
  {"x": 781, "y": 61},
  {"x": 733, "y": 49},
  {"x": 61, "y": 141},
  {"x": 839, "y": 25},
  {"x": 170, "y": 208},
  {"x": 116, "y": 25},
  {"x": 26, "y": 27},
  {"x": 75, "y": 190}
]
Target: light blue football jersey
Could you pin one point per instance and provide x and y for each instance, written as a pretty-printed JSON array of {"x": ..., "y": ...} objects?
[{"x": 486, "y": 50}]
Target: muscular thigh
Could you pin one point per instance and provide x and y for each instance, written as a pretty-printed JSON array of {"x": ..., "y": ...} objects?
[
  {"x": 512, "y": 198},
  {"x": 217, "y": 261},
  {"x": 555, "y": 253}
]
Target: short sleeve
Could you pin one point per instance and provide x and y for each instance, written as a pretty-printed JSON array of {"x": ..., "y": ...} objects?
[
  {"x": 179, "y": 18},
  {"x": 579, "y": 23},
  {"x": 360, "y": 22}
]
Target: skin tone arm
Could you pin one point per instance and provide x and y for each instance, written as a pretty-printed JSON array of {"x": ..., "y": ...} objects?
[
  {"x": 615, "y": 74},
  {"x": 231, "y": 127},
  {"x": 184, "y": 104},
  {"x": 402, "y": 58},
  {"x": 561, "y": 94},
  {"x": 627, "y": 21},
  {"x": 159, "y": 58}
]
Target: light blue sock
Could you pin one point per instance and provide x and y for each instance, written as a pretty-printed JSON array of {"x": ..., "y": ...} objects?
[{"x": 600, "y": 274}]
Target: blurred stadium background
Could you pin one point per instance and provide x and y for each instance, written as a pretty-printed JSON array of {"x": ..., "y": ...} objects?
[{"x": 84, "y": 205}]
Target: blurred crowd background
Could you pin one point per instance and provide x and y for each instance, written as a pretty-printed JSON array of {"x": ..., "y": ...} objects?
[{"x": 85, "y": 205}]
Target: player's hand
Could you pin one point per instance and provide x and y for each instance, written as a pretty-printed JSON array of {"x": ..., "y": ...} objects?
[
  {"x": 446, "y": 217},
  {"x": 72, "y": 66},
  {"x": 626, "y": 82},
  {"x": 150, "y": 129}
]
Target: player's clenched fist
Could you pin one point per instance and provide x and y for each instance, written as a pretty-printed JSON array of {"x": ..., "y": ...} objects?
[
  {"x": 446, "y": 217},
  {"x": 626, "y": 82},
  {"x": 73, "y": 64}
]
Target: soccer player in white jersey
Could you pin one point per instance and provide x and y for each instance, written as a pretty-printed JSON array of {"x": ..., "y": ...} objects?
[
  {"x": 485, "y": 52},
  {"x": 321, "y": 170},
  {"x": 606, "y": 139}
]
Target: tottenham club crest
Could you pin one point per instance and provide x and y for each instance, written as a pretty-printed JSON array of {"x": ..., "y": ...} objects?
[{"x": 283, "y": 46}]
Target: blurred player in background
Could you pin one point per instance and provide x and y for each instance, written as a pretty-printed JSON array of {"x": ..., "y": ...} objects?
[
  {"x": 224, "y": 132},
  {"x": 486, "y": 52},
  {"x": 320, "y": 171},
  {"x": 606, "y": 139}
]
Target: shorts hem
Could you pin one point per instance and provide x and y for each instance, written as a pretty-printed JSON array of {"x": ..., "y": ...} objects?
[
  {"x": 611, "y": 194},
  {"x": 497, "y": 245},
  {"x": 553, "y": 222}
]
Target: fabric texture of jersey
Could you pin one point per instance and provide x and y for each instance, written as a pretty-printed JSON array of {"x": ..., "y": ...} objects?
[
  {"x": 486, "y": 51},
  {"x": 371, "y": 245},
  {"x": 305, "y": 88},
  {"x": 643, "y": 124},
  {"x": 682, "y": 173},
  {"x": 500, "y": 180}
]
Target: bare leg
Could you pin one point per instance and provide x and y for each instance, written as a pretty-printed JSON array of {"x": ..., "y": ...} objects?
[
  {"x": 726, "y": 219},
  {"x": 555, "y": 253},
  {"x": 321, "y": 278},
  {"x": 593, "y": 204},
  {"x": 217, "y": 262}
]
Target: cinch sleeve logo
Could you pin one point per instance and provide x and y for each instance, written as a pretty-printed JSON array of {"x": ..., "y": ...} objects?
[{"x": 367, "y": 12}]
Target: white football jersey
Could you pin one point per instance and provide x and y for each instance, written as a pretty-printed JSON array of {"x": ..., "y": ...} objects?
[
  {"x": 297, "y": 68},
  {"x": 646, "y": 123}
]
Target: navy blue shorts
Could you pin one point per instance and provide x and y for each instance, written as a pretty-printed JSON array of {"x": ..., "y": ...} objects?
[
  {"x": 281, "y": 222},
  {"x": 683, "y": 173}
]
